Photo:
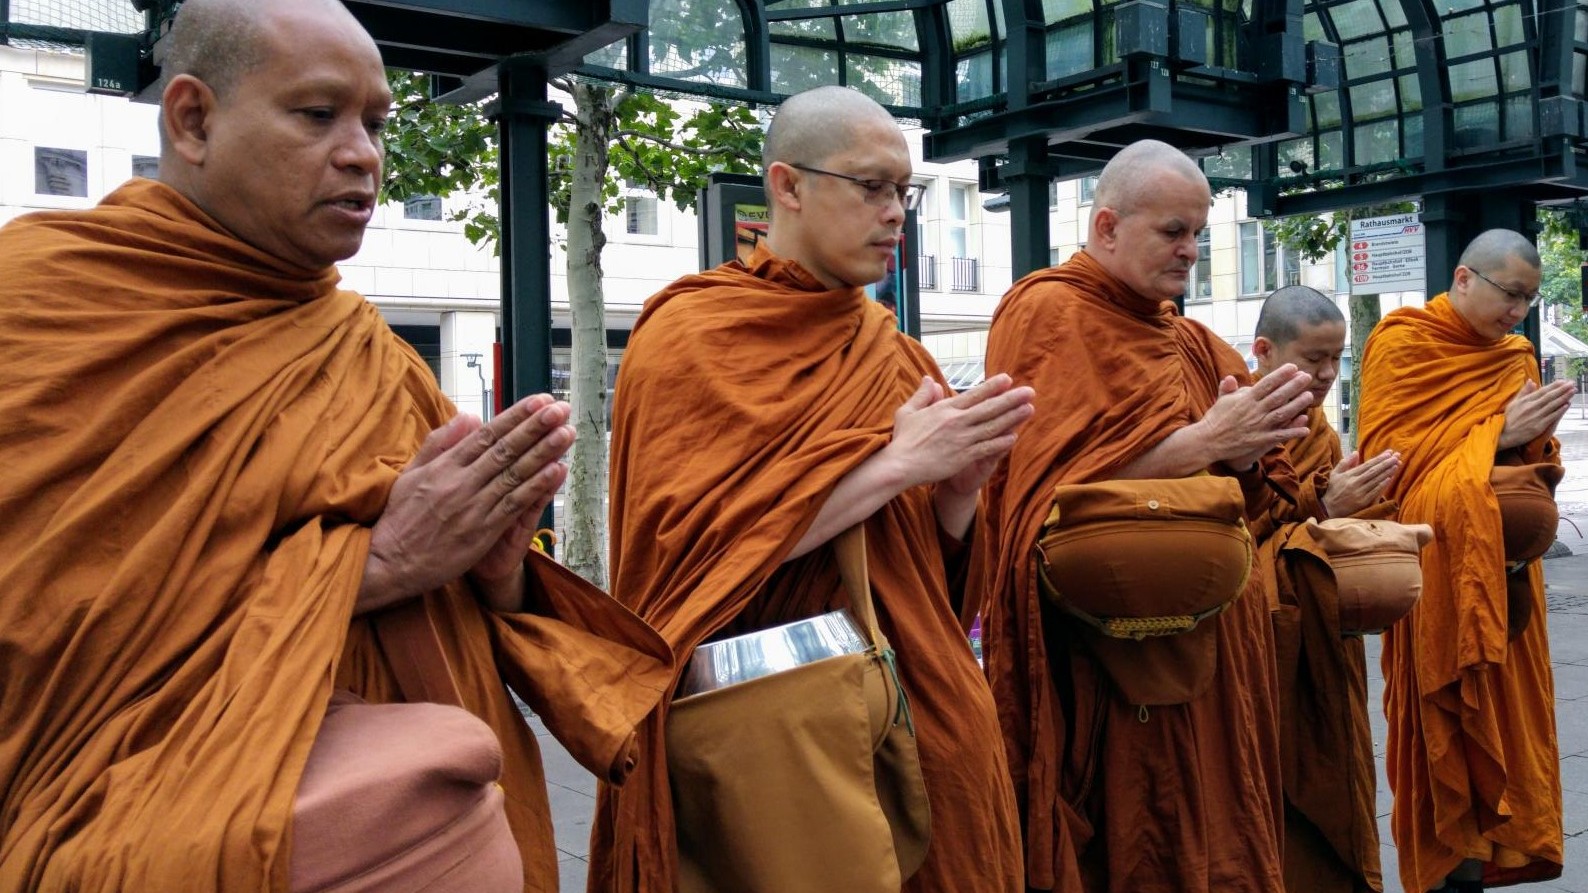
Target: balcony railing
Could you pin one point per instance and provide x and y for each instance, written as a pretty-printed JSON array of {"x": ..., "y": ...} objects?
[
  {"x": 965, "y": 274},
  {"x": 928, "y": 268}
]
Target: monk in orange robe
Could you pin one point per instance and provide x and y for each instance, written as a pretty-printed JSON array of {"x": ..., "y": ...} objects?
[
  {"x": 1331, "y": 825},
  {"x": 798, "y": 411},
  {"x": 1115, "y": 797},
  {"x": 1472, "y": 756},
  {"x": 220, "y": 469}
]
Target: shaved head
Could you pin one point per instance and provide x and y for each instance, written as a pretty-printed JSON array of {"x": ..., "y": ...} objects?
[
  {"x": 1292, "y": 309},
  {"x": 216, "y": 41},
  {"x": 810, "y": 127},
  {"x": 1128, "y": 181},
  {"x": 1493, "y": 248}
]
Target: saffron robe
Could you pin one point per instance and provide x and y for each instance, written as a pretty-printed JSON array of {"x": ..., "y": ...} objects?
[
  {"x": 1331, "y": 824},
  {"x": 197, "y": 442},
  {"x": 745, "y": 394},
  {"x": 1472, "y": 755},
  {"x": 1189, "y": 799}
]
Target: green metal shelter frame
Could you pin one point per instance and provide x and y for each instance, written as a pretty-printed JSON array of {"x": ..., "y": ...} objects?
[{"x": 1473, "y": 107}]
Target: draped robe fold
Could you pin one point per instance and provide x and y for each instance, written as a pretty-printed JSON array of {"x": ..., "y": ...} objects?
[
  {"x": 197, "y": 442},
  {"x": 1331, "y": 827},
  {"x": 745, "y": 394},
  {"x": 1472, "y": 755},
  {"x": 1188, "y": 800}
]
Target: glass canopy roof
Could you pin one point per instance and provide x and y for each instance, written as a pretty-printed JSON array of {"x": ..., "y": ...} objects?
[{"x": 1295, "y": 94}]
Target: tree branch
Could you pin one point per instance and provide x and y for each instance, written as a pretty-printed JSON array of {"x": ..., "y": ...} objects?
[{"x": 654, "y": 178}]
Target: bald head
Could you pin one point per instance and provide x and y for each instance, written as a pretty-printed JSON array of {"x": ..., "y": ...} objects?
[
  {"x": 221, "y": 41},
  {"x": 1293, "y": 309},
  {"x": 813, "y": 126},
  {"x": 1494, "y": 248},
  {"x": 1128, "y": 181}
]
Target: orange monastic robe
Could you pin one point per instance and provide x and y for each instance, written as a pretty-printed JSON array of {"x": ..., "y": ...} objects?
[
  {"x": 1472, "y": 755},
  {"x": 1187, "y": 799},
  {"x": 745, "y": 394},
  {"x": 196, "y": 443},
  {"x": 1331, "y": 828}
]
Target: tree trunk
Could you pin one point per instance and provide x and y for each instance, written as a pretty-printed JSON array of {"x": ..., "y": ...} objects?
[
  {"x": 1365, "y": 314},
  {"x": 585, "y": 549}
]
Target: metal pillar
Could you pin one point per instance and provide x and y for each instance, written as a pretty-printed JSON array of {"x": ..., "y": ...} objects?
[
  {"x": 1027, "y": 178},
  {"x": 522, "y": 120}
]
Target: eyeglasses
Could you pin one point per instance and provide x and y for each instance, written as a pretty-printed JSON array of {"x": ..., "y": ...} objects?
[
  {"x": 878, "y": 192},
  {"x": 1520, "y": 297}
]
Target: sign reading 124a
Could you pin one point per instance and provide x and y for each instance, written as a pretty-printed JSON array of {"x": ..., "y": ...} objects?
[{"x": 1388, "y": 254}]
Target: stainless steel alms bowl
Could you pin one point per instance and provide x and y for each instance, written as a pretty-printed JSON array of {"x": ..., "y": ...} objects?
[{"x": 764, "y": 652}]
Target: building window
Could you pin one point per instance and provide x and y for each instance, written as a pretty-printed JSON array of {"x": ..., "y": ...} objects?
[
  {"x": 146, "y": 166},
  {"x": 422, "y": 207},
  {"x": 640, "y": 214},
  {"x": 1053, "y": 257},
  {"x": 1053, "y": 193},
  {"x": 60, "y": 171},
  {"x": 1265, "y": 265},
  {"x": 960, "y": 200},
  {"x": 1200, "y": 286},
  {"x": 1088, "y": 189}
]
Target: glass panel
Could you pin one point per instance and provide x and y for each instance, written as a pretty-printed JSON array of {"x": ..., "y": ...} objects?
[
  {"x": 795, "y": 69},
  {"x": 1411, "y": 94},
  {"x": 1508, "y": 26},
  {"x": 1579, "y": 73},
  {"x": 1582, "y": 23},
  {"x": 1295, "y": 150},
  {"x": 1366, "y": 57},
  {"x": 1515, "y": 72},
  {"x": 1270, "y": 262},
  {"x": 612, "y": 56},
  {"x": 1331, "y": 151},
  {"x": 1394, "y": 13},
  {"x": 1477, "y": 125},
  {"x": 1455, "y": 6},
  {"x": 1412, "y": 126},
  {"x": 1377, "y": 142},
  {"x": 967, "y": 23},
  {"x": 886, "y": 29},
  {"x": 698, "y": 40},
  {"x": 1234, "y": 163},
  {"x": 1405, "y": 52},
  {"x": 1519, "y": 117},
  {"x": 1356, "y": 18},
  {"x": 1467, "y": 34},
  {"x": 973, "y": 75},
  {"x": 1059, "y": 10},
  {"x": 1312, "y": 28},
  {"x": 1326, "y": 108},
  {"x": 1473, "y": 80},
  {"x": 888, "y": 81},
  {"x": 1203, "y": 288},
  {"x": 1249, "y": 258},
  {"x": 1375, "y": 99},
  {"x": 1069, "y": 50},
  {"x": 822, "y": 29}
]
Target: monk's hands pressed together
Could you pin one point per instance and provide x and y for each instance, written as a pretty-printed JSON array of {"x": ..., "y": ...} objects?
[
  {"x": 1534, "y": 412},
  {"x": 469, "y": 502},
  {"x": 956, "y": 441},
  {"x": 1354, "y": 485},
  {"x": 1246, "y": 422}
]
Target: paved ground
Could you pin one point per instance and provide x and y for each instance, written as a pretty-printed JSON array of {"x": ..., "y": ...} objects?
[{"x": 573, "y": 789}]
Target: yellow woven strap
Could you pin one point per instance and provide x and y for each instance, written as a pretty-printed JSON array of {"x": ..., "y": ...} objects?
[{"x": 544, "y": 539}]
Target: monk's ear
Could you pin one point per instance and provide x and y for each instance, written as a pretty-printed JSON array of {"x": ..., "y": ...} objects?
[
  {"x": 783, "y": 186},
  {"x": 1105, "y": 223},
  {"x": 186, "y": 109},
  {"x": 1262, "y": 348}
]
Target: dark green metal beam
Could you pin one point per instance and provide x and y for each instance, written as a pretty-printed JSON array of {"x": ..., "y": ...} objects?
[
  {"x": 1549, "y": 177},
  {"x": 547, "y": 15},
  {"x": 849, "y": 9}
]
